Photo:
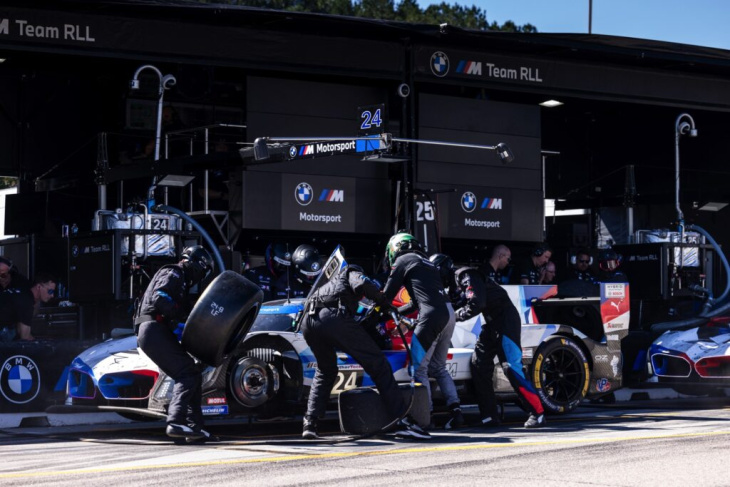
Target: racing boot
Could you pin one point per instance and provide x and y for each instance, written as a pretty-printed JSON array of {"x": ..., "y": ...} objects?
[
  {"x": 309, "y": 428},
  {"x": 457, "y": 418},
  {"x": 490, "y": 422},
  {"x": 198, "y": 439},
  {"x": 183, "y": 431},
  {"x": 535, "y": 421},
  {"x": 408, "y": 428}
]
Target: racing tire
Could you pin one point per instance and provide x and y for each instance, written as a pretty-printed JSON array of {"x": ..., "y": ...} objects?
[
  {"x": 363, "y": 412},
  {"x": 253, "y": 382},
  {"x": 560, "y": 373},
  {"x": 221, "y": 318}
]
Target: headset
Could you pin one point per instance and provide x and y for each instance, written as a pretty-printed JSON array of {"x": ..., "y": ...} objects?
[
  {"x": 7, "y": 262},
  {"x": 574, "y": 258},
  {"x": 541, "y": 249}
]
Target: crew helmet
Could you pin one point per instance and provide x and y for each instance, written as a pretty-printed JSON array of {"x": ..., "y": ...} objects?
[
  {"x": 198, "y": 261},
  {"x": 278, "y": 258},
  {"x": 399, "y": 243},
  {"x": 608, "y": 260},
  {"x": 445, "y": 266},
  {"x": 306, "y": 263}
]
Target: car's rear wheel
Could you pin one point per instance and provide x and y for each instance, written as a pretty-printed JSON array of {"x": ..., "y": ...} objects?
[
  {"x": 560, "y": 373},
  {"x": 221, "y": 318}
]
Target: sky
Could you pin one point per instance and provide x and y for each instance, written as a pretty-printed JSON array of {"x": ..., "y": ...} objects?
[{"x": 697, "y": 22}]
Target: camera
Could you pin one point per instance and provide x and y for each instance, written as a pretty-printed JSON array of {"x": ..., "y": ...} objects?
[{"x": 404, "y": 90}]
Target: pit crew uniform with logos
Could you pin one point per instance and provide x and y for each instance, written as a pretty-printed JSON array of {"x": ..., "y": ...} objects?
[
  {"x": 422, "y": 280},
  {"x": 500, "y": 336},
  {"x": 528, "y": 270},
  {"x": 161, "y": 309},
  {"x": 329, "y": 325}
]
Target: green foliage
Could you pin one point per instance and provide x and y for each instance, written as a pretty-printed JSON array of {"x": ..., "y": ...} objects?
[
  {"x": 405, "y": 11},
  {"x": 8, "y": 182}
]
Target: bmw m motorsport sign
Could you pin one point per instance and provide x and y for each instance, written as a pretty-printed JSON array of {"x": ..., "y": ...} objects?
[
  {"x": 479, "y": 212},
  {"x": 318, "y": 203},
  {"x": 20, "y": 379}
]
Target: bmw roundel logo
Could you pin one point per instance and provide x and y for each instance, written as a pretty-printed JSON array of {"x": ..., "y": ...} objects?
[
  {"x": 20, "y": 379},
  {"x": 439, "y": 64},
  {"x": 304, "y": 194},
  {"x": 468, "y": 201},
  {"x": 315, "y": 266},
  {"x": 293, "y": 151}
]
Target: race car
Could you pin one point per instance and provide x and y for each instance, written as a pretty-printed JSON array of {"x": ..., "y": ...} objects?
[
  {"x": 271, "y": 370},
  {"x": 694, "y": 361}
]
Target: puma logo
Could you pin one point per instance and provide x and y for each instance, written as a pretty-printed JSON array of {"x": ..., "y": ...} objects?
[{"x": 615, "y": 304}]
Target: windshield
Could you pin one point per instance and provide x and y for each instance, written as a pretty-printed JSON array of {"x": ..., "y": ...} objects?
[{"x": 278, "y": 316}]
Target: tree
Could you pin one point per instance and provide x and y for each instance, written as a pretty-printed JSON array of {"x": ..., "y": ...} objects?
[{"x": 406, "y": 11}]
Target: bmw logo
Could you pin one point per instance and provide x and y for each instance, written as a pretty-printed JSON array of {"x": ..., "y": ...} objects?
[
  {"x": 75, "y": 250},
  {"x": 315, "y": 266},
  {"x": 468, "y": 201},
  {"x": 304, "y": 194},
  {"x": 20, "y": 379},
  {"x": 293, "y": 151},
  {"x": 439, "y": 64}
]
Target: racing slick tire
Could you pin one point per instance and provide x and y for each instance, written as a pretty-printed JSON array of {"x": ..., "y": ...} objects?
[
  {"x": 253, "y": 382},
  {"x": 560, "y": 372},
  {"x": 221, "y": 318},
  {"x": 363, "y": 412}
]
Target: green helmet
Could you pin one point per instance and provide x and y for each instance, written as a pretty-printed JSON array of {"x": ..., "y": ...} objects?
[{"x": 400, "y": 242}]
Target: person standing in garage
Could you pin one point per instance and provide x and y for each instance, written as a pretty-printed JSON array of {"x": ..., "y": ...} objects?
[
  {"x": 501, "y": 337},
  {"x": 328, "y": 326},
  {"x": 531, "y": 269},
  {"x": 163, "y": 306}
]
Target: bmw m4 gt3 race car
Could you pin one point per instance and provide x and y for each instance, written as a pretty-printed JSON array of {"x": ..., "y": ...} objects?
[{"x": 571, "y": 350}]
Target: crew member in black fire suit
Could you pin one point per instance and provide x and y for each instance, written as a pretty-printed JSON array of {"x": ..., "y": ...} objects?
[
  {"x": 304, "y": 270},
  {"x": 329, "y": 326},
  {"x": 411, "y": 268},
  {"x": 500, "y": 336},
  {"x": 277, "y": 264},
  {"x": 163, "y": 306}
]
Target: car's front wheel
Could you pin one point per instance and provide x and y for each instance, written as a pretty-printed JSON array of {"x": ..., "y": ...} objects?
[{"x": 560, "y": 373}]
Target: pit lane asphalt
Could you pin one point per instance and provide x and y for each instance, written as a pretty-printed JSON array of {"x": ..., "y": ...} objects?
[{"x": 669, "y": 442}]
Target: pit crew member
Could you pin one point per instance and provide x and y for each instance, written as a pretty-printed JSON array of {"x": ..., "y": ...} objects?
[
  {"x": 163, "y": 306},
  {"x": 328, "y": 325},
  {"x": 500, "y": 337}
]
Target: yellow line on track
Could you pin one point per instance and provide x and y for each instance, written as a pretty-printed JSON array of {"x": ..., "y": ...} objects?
[{"x": 289, "y": 458}]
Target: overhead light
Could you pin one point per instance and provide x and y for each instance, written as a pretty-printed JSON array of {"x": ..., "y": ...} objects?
[
  {"x": 713, "y": 206},
  {"x": 551, "y": 103}
]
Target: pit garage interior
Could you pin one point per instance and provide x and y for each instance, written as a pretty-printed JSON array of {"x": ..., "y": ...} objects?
[{"x": 70, "y": 124}]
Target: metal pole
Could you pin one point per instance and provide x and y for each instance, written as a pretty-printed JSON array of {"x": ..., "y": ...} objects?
[{"x": 590, "y": 16}]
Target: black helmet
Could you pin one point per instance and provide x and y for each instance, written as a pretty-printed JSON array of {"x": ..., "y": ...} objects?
[
  {"x": 198, "y": 262},
  {"x": 278, "y": 258},
  {"x": 445, "y": 266},
  {"x": 608, "y": 260},
  {"x": 306, "y": 263}
]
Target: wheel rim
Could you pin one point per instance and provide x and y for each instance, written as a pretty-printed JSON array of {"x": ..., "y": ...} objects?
[
  {"x": 253, "y": 381},
  {"x": 563, "y": 376}
]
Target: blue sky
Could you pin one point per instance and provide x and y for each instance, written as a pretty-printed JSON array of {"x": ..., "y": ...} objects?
[{"x": 698, "y": 22}]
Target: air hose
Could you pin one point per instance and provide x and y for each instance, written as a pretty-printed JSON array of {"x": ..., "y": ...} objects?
[
  {"x": 216, "y": 253},
  {"x": 707, "y": 312}
]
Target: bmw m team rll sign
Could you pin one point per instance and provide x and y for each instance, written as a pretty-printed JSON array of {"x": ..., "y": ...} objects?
[{"x": 318, "y": 203}]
